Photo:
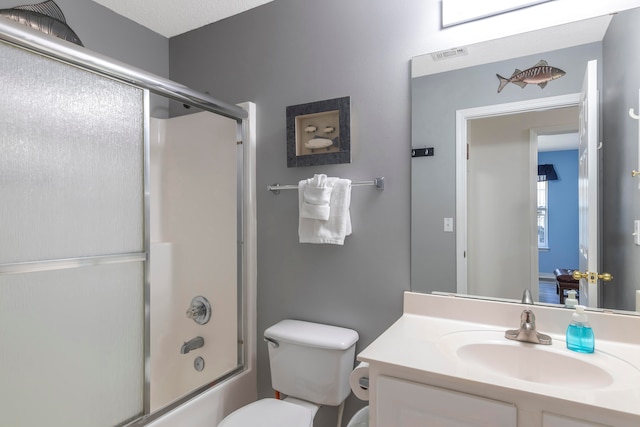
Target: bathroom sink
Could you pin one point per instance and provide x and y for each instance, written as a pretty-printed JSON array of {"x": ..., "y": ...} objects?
[{"x": 550, "y": 365}]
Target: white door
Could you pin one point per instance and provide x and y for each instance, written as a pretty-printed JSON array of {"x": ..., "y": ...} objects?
[
  {"x": 463, "y": 119},
  {"x": 588, "y": 185}
]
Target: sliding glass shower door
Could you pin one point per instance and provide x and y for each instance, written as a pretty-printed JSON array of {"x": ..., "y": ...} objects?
[{"x": 72, "y": 244}]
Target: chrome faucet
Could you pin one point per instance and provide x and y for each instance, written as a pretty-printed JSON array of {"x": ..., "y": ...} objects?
[
  {"x": 526, "y": 297},
  {"x": 527, "y": 331},
  {"x": 192, "y": 344}
]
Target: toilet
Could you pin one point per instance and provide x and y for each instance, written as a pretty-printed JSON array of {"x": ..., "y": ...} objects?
[
  {"x": 310, "y": 364},
  {"x": 360, "y": 419}
]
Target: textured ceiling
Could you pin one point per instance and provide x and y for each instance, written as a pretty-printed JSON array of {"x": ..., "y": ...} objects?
[{"x": 170, "y": 17}]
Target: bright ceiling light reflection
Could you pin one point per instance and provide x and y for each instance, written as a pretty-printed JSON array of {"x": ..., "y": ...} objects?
[{"x": 459, "y": 11}]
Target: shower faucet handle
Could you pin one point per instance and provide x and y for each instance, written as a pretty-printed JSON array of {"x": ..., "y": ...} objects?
[
  {"x": 199, "y": 310},
  {"x": 196, "y": 311}
]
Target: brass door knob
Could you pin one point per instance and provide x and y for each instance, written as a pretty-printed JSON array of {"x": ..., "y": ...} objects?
[
  {"x": 605, "y": 277},
  {"x": 579, "y": 275},
  {"x": 592, "y": 276}
]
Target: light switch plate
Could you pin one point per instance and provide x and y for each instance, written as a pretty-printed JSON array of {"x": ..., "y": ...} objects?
[
  {"x": 636, "y": 232},
  {"x": 448, "y": 224}
]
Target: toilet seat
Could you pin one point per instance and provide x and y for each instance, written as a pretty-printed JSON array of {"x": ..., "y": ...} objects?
[{"x": 269, "y": 413}]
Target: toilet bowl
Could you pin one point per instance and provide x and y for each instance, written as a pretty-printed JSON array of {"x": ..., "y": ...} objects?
[
  {"x": 310, "y": 364},
  {"x": 360, "y": 419},
  {"x": 270, "y": 413}
]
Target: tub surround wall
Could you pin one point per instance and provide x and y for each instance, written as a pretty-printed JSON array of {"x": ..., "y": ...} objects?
[
  {"x": 193, "y": 250},
  {"x": 210, "y": 407}
]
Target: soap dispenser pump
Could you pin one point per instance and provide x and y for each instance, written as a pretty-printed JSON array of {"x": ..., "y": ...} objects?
[
  {"x": 579, "y": 334},
  {"x": 571, "y": 301}
]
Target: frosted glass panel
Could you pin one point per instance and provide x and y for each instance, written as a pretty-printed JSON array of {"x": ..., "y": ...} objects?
[
  {"x": 71, "y": 156},
  {"x": 72, "y": 346}
]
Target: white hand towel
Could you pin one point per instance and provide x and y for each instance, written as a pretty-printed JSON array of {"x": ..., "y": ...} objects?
[
  {"x": 338, "y": 226},
  {"x": 317, "y": 195}
]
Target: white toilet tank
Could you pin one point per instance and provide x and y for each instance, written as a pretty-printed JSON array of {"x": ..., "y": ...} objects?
[{"x": 311, "y": 361}]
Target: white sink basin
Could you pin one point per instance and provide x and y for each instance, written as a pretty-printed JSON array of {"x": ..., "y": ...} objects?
[{"x": 552, "y": 365}]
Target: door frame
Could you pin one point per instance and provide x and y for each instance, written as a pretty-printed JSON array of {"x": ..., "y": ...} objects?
[{"x": 462, "y": 117}]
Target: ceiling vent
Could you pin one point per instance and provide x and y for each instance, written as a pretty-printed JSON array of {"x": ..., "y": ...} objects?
[{"x": 449, "y": 53}]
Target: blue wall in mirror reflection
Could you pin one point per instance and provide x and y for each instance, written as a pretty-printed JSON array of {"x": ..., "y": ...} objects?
[{"x": 563, "y": 212}]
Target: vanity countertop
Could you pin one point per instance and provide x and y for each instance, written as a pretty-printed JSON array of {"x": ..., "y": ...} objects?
[{"x": 419, "y": 343}]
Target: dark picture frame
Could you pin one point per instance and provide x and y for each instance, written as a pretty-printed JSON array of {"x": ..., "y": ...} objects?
[{"x": 318, "y": 133}]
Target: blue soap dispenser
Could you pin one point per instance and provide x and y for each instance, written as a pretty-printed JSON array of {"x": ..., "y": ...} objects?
[{"x": 579, "y": 334}]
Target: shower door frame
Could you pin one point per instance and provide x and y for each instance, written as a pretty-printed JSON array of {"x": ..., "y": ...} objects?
[{"x": 26, "y": 38}]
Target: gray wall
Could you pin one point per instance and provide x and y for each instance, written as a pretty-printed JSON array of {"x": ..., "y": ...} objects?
[
  {"x": 296, "y": 51},
  {"x": 435, "y": 99},
  {"x": 110, "y": 34},
  {"x": 620, "y": 194}
]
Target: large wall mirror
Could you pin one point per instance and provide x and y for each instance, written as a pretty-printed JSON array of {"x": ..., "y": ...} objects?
[{"x": 483, "y": 222}]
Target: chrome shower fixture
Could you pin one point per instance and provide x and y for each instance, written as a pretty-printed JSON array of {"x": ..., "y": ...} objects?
[
  {"x": 199, "y": 310},
  {"x": 192, "y": 344}
]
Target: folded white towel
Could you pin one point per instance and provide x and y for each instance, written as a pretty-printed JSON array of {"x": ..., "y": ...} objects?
[
  {"x": 317, "y": 195},
  {"x": 320, "y": 213},
  {"x": 338, "y": 226}
]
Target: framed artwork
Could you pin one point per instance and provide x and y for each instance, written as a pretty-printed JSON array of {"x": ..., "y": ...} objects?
[{"x": 318, "y": 133}]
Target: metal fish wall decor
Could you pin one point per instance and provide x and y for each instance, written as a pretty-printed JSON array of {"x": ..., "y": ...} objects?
[
  {"x": 46, "y": 17},
  {"x": 540, "y": 74}
]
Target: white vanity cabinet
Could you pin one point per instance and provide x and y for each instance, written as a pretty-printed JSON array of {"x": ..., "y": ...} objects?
[
  {"x": 408, "y": 404},
  {"x": 419, "y": 378},
  {"x": 553, "y": 420},
  {"x": 414, "y": 400}
]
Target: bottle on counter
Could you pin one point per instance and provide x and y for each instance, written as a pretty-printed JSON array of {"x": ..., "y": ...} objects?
[{"x": 579, "y": 333}]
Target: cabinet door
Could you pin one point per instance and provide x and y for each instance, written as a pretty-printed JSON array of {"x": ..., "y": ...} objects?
[
  {"x": 553, "y": 420},
  {"x": 403, "y": 403}
]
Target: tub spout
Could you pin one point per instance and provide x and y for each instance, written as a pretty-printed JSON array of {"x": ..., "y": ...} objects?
[{"x": 192, "y": 344}]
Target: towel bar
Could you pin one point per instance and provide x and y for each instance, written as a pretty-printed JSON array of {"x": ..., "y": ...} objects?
[{"x": 377, "y": 182}]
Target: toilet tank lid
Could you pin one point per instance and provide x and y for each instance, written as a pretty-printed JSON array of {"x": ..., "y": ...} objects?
[{"x": 312, "y": 334}]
